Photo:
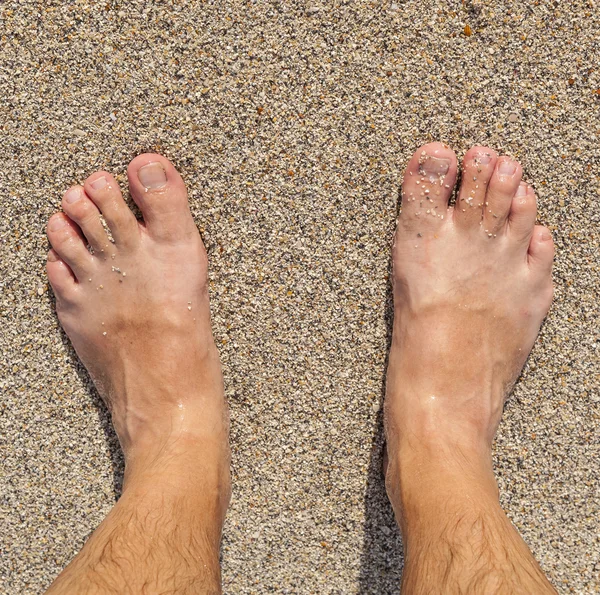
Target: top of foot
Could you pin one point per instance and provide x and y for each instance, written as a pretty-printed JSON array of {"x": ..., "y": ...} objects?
[
  {"x": 472, "y": 284},
  {"x": 136, "y": 306}
]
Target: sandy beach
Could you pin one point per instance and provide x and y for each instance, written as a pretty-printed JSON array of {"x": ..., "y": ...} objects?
[{"x": 291, "y": 123}]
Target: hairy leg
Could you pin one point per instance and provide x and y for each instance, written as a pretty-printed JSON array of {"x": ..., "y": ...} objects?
[
  {"x": 472, "y": 285},
  {"x": 135, "y": 307}
]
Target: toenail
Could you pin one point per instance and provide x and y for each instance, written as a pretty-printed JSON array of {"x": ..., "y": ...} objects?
[
  {"x": 545, "y": 235},
  {"x": 73, "y": 195},
  {"x": 57, "y": 223},
  {"x": 52, "y": 256},
  {"x": 522, "y": 189},
  {"x": 152, "y": 175},
  {"x": 98, "y": 183},
  {"x": 507, "y": 168},
  {"x": 434, "y": 167},
  {"x": 483, "y": 158}
]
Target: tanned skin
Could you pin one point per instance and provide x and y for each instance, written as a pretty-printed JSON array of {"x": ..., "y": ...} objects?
[
  {"x": 472, "y": 284},
  {"x": 138, "y": 315}
]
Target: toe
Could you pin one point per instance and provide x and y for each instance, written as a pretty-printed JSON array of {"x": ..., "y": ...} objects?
[
  {"x": 427, "y": 186},
  {"x": 68, "y": 242},
  {"x": 502, "y": 187},
  {"x": 541, "y": 249},
  {"x": 104, "y": 191},
  {"x": 160, "y": 192},
  {"x": 84, "y": 212},
  {"x": 61, "y": 277},
  {"x": 478, "y": 167},
  {"x": 522, "y": 214}
]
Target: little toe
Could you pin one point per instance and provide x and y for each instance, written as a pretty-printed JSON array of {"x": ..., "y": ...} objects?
[
  {"x": 104, "y": 191},
  {"x": 541, "y": 249},
  {"x": 84, "y": 212},
  {"x": 427, "y": 185},
  {"x": 61, "y": 277},
  {"x": 160, "y": 192},
  {"x": 502, "y": 187},
  {"x": 478, "y": 167},
  {"x": 68, "y": 242},
  {"x": 523, "y": 212}
]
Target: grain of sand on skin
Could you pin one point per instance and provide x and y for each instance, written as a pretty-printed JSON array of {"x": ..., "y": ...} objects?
[{"x": 292, "y": 127}]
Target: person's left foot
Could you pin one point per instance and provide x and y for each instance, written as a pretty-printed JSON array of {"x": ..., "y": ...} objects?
[{"x": 136, "y": 308}]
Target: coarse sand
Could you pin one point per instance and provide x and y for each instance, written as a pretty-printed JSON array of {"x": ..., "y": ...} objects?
[{"x": 291, "y": 123}]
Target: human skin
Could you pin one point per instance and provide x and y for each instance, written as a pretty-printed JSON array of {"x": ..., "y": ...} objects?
[
  {"x": 472, "y": 284},
  {"x": 137, "y": 313},
  {"x": 471, "y": 287}
]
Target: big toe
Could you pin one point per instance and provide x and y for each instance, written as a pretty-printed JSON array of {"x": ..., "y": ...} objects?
[
  {"x": 159, "y": 191},
  {"x": 427, "y": 186}
]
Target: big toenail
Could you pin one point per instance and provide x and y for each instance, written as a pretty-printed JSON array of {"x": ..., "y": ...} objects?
[
  {"x": 507, "y": 168},
  {"x": 73, "y": 195},
  {"x": 152, "y": 175},
  {"x": 433, "y": 167},
  {"x": 57, "y": 223},
  {"x": 522, "y": 189},
  {"x": 98, "y": 183}
]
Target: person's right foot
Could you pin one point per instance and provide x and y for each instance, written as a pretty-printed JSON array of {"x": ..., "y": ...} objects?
[{"x": 472, "y": 284}]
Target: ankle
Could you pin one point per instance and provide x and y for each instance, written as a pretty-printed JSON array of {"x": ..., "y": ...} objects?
[
  {"x": 182, "y": 466},
  {"x": 151, "y": 423},
  {"x": 429, "y": 474},
  {"x": 178, "y": 455}
]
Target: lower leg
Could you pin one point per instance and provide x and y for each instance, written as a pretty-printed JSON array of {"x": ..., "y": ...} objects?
[
  {"x": 472, "y": 284},
  {"x": 457, "y": 538},
  {"x": 164, "y": 532}
]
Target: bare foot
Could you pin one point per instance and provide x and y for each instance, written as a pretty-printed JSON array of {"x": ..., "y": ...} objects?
[
  {"x": 472, "y": 284},
  {"x": 137, "y": 312}
]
